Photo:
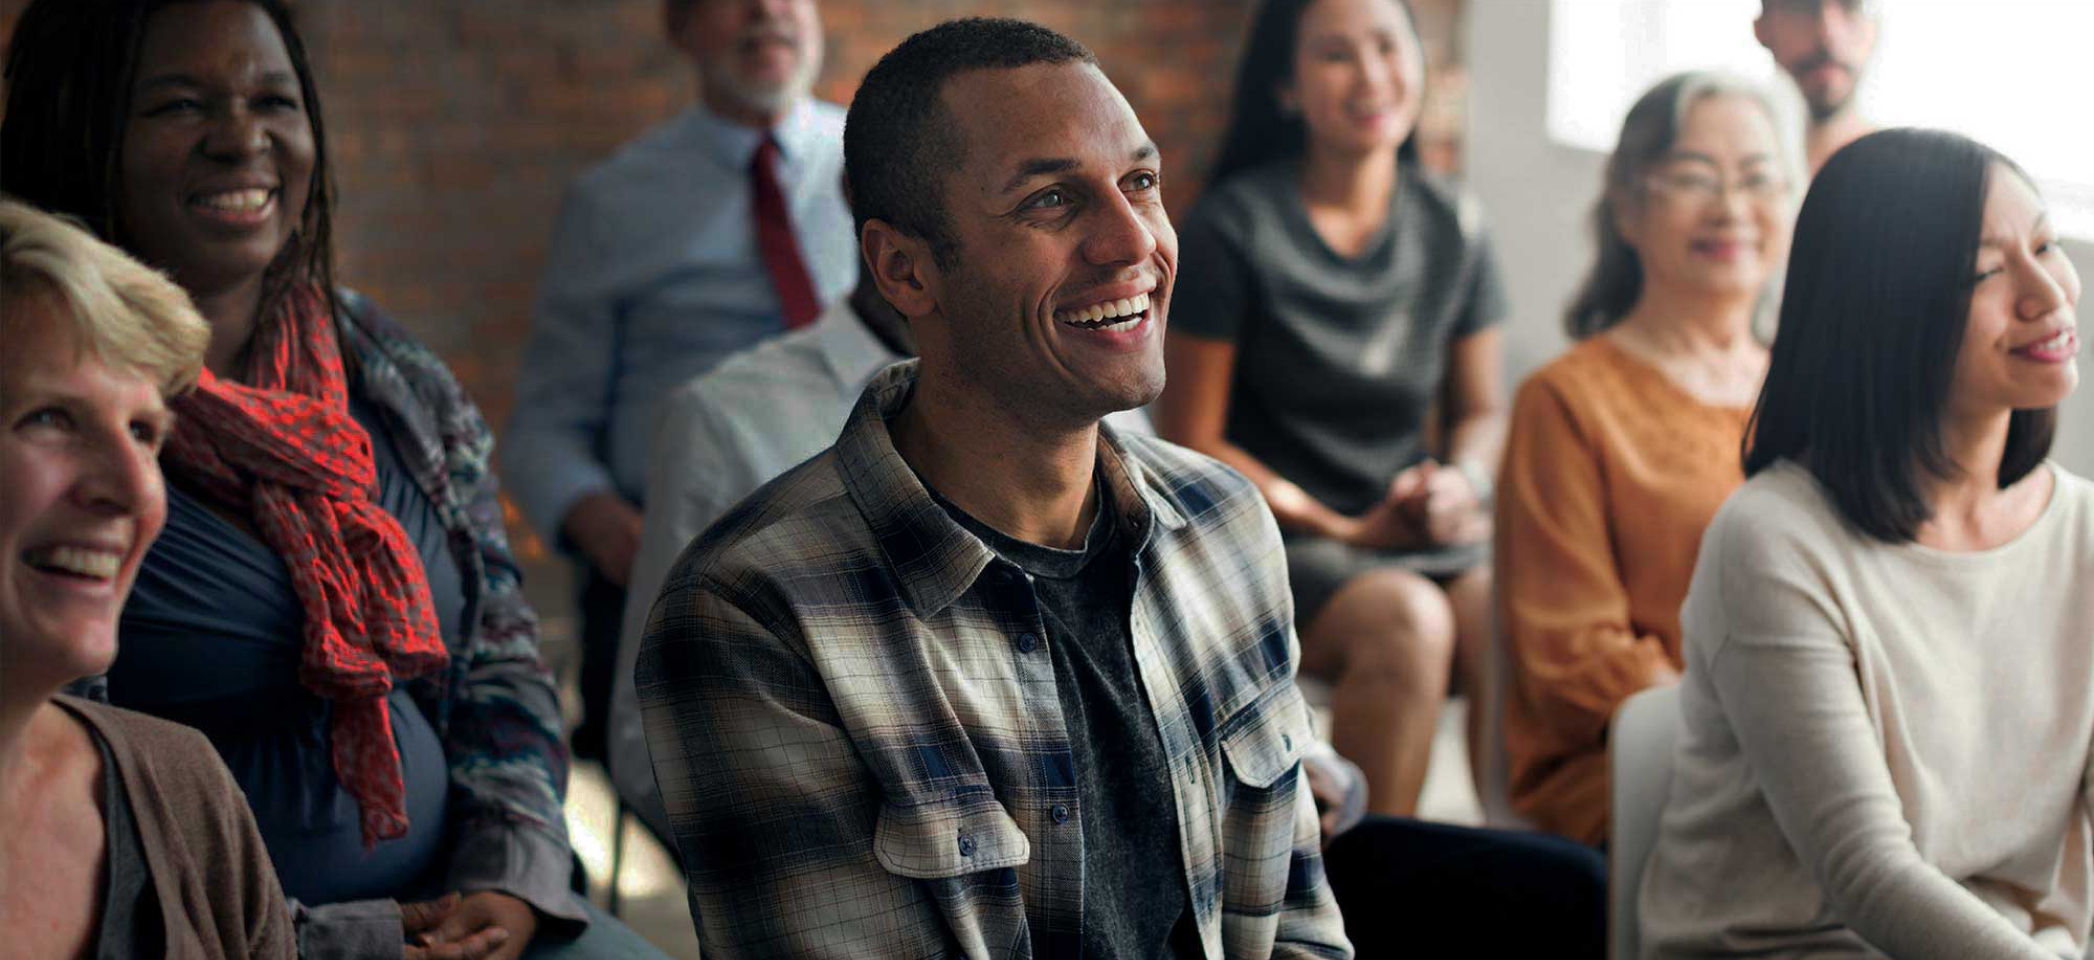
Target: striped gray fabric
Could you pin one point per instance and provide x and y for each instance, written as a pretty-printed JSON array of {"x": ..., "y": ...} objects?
[{"x": 862, "y": 757}]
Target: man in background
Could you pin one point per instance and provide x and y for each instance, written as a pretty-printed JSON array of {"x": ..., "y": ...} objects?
[
  {"x": 721, "y": 227},
  {"x": 1823, "y": 45}
]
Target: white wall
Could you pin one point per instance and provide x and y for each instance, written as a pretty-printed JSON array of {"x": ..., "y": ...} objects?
[{"x": 1538, "y": 193}]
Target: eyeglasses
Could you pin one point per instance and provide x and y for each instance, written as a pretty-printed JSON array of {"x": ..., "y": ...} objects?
[
  {"x": 1701, "y": 186},
  {"x": 1813, "y": 7}
]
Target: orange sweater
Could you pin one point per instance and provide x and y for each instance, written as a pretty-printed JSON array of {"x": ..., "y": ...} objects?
[{"x": 1611, "y": 472}]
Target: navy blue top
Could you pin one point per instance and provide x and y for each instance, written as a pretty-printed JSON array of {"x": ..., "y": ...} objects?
[{"x": 212, "y": 637}]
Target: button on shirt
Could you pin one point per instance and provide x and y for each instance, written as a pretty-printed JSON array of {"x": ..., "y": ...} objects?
[
  {"x": 653, "y": 278},
  {"x": 856, "y": 761}
]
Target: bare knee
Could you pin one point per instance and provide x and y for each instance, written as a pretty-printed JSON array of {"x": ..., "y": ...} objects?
[{"x": 1398, "y": 627}]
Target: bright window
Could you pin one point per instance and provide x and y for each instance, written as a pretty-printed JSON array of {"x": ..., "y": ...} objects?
[{"x": 2011, "y": 73}]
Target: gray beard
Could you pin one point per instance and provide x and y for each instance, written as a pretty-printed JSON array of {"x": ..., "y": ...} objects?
[{"x": 771, "y": 100}]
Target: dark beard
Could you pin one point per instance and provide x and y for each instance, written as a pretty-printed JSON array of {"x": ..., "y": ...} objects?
[{"x": 1822, "y": 112}]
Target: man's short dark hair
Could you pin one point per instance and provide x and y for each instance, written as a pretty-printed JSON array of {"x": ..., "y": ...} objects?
[
  {"x": 1872, "y": 319},
  {"x": 898, "y": 140}
]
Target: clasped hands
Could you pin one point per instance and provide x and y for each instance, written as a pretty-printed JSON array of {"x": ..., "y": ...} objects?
[
  {"x": 484, "y": 925},
  {"x": 1427, "y": 504}
]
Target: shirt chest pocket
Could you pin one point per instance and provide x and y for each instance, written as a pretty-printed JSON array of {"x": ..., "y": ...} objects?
[
  {"x": 1263, "y": 743},
  {"x": 930, "y": 841}
]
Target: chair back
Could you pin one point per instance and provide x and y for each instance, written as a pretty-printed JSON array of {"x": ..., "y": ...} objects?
[
  {"x": 1494, "y": 781},
  {"x": 1639, "y": 763}
]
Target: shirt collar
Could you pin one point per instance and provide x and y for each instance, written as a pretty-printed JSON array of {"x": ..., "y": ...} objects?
[
  {"x": 933, "y": 557},
  {"x": 848, "y": 347},
  {"x": 733, "y": 145}
]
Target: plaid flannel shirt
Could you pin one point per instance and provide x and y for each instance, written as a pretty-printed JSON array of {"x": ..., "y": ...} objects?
[{"x": 854, "y": 721}]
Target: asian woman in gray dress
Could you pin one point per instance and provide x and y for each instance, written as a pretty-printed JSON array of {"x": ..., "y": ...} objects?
[{"x": 1334, "y": 338}]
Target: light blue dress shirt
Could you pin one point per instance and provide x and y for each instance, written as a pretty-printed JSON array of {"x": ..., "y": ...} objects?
[{"x": 652, "y": 279}]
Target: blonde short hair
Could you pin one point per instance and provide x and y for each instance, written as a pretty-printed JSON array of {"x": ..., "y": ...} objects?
[{"x": 123, "y": 313}]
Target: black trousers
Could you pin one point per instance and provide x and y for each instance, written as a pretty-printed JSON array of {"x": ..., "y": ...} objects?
[
  {"x": 602, "y": 610},
  {"x": 1415, "y": 889}
]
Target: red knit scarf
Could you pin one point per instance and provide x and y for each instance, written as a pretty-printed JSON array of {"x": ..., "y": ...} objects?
[{"x": 284, "y": 451}]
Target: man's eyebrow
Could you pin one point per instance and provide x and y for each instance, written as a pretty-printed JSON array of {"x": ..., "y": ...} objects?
[
  {"x": 1039, "y": 167},
  {"x": 1048, "y": 166}
]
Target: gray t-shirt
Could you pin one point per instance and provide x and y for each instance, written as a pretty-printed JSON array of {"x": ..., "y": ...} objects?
[{"x": 1339, "y": 358}]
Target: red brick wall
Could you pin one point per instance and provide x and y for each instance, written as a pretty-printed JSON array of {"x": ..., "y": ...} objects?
[{"x": 455, "y": 125}]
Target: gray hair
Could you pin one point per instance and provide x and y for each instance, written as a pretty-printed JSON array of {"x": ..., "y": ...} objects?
[{"x": 1653, "y": 125}]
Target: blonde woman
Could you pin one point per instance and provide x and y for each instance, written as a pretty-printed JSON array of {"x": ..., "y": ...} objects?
[{"x": 137, "y": 839}]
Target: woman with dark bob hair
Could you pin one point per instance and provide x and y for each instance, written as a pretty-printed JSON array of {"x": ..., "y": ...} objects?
[
  {"x": 1886, "y": 707},
  {"x": 332, "y": 601},
  {"x": 1333, "y": 297}
]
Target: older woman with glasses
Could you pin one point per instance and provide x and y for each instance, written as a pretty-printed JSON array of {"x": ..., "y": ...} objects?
[
  {"x": 1621, "y": 449},
  {"x": 125, "y": 836}
]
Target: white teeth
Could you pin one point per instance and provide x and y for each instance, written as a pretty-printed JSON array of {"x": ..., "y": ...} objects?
[
  {"x": 236, "y": 201},
  {"x": 2056, "y": 342},
  {"x": 100, "y": 564},
  {"x": 1091, "y": 316}
]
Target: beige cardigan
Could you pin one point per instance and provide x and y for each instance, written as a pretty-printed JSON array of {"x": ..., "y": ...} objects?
[{"x": 219, "y": 896}]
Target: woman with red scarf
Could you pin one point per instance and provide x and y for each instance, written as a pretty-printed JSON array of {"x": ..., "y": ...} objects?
[{"x": 333, "y": 601}]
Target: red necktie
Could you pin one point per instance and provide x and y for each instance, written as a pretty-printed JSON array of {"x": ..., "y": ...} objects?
[{"x": 774, "y": 240}]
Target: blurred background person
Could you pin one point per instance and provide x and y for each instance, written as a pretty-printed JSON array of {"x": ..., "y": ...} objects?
[
  {"x": 332, "y": 602},
  {"x": 1622, "y": 449},
  {"x": 1335, "y": 297},
  {"x": 1823, "y": 45},
  {"x": 125, "y": 835},
  {"x": 720, "y": 227},
  {"x": 1886, "y": 718}
]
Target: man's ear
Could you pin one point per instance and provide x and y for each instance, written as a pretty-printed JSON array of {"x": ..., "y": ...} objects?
[{"x": 901, "y": 267}]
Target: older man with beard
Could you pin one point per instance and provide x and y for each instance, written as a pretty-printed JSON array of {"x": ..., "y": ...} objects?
[
  {"x": 1823, "y": 46},
  {"x": 720, "y": 228}
]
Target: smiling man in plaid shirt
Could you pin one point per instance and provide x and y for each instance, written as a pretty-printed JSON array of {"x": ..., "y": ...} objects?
[{"x": 985, "y": 679}]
